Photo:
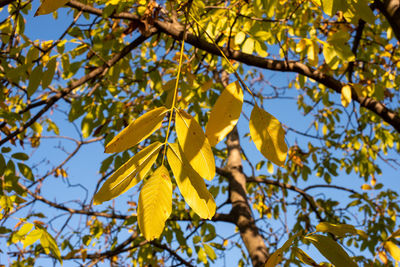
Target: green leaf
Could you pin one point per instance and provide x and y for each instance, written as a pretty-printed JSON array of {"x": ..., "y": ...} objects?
[
  {"x": 137, "y": 130},
  {"x": 191, "y": 185},
  {"x": 331, "y": 250},
  {"x": 129, "y": 174},
  {"x": 26, "y": 171},
  {"x": 20, "y": 156},
  {"x": 155, "y": 204},
  {"x": 330, "y": 7},
  {"x": 268, "y": 135},
  {"x": 225, "y": 113},
  {"x": 195, "y": 145},
  {"x": 339, "y": 230},
  {"x": 34, "y": 80},
  {"x": 49, "y": 73},
  {"x": 2, "y": 164},
  {"x": 49, "y": 6}
]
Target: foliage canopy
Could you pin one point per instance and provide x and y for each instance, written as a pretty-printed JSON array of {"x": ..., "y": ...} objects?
[{"x": 172, "y": 90}]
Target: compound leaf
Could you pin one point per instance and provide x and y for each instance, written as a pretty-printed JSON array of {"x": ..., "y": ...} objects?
[
  {"x": 129, "y": 174},
  {"x": 155, "y": 204}
]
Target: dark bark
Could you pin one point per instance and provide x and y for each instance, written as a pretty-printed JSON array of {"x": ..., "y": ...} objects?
[{"x": 391, "y": 10}]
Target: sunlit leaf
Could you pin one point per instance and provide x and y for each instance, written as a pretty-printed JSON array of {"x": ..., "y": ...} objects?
[
  {"x": 191, "y": 185},
  {"x": 225, "y": 113},
  {"x": 239, "y": 38},
  {"x": 49, "y": 6},
  {"x": 49, "y": 244},
  {"x": 137, "y": 130},
  {"x": 268, "y": 135},
  {"x": 129, "y": 174},
  {"x": 393, "y": 250},
  {"x": 32, "y": 237},
  {"x": 248, "y": 46},
  {"x": 195, "y": 145},
  {"x": 346, "y": 95},
  {"x": 331, "y": 250},
  {"x": 155, "y": 204}
]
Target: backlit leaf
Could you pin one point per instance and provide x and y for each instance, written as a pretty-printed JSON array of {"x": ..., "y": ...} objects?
[
  {"x": 49, "y": 244},
  {"x": 239, "y": 38},
  {"x": 225, "y": 113},
  {"x": 191, "y": 185},
  {"x": 49, "y": 6},
  {"x": 331, "y": 250},
  {"x": 155, "y": 204},
  {"x": 137, "y": 130},
  {"x": 268, "y": 135},
  {"x": 248, "y": 46},
  {"x": 393, "y": 250},
  {"x": 32, "y": 237},
  {"x": 195, "y": 145},
  {"x": 26, "y": 171},
  {"x": 129, "y": 174},
  {"x": 346, "y": 95}
]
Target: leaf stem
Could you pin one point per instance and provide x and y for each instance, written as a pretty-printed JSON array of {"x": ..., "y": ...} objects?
[{"x": 171, "y": 110}]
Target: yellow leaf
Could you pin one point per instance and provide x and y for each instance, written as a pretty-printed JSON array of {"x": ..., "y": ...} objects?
[
  {"x": 331, "y": 250},
  {"x": 248, "y": 46},
  {"x": 383, "y": 257},
  {"x": 346, "y": 95},
  {"x": 239, "y": 38},
  {"x": 49, "y": 6},
  {"x": 225, "y": 113},
  {"x": 195, "y": 145},
  {"x": 129, "y": 174},
  {"x": 393, "y": 250},
  {"x": 191, "y": 185},
  {"x": 268, "y": 135},
  {"x": 137, "y": 130},
  {"x": 366, "y": 187},
  {"x": 303, "y": 257},
  {"x": 155, "y": 204}
]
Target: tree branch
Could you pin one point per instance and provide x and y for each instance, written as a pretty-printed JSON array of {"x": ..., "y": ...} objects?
[
  {"x": 75, "y": 84},
  {"x": 175, "y": 30},
  {"x": 391, "y": 10}
]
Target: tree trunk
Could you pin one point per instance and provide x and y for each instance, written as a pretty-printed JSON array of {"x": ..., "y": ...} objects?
[{"x": 241, "y": 212}]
